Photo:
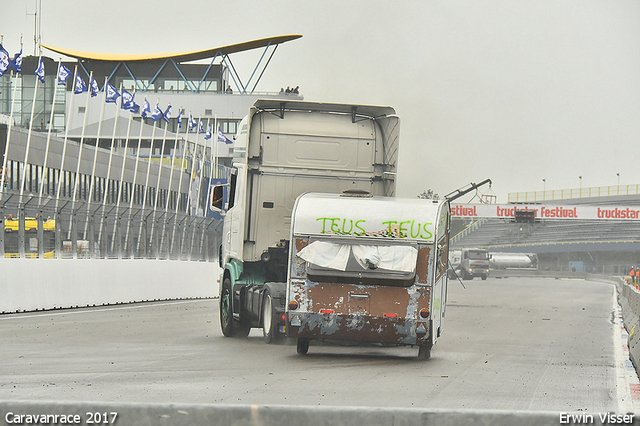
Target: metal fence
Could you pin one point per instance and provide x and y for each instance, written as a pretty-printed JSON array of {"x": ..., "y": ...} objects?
[
  {"x": 564, "y": 194},
  {"x": 50, "y": 229}
]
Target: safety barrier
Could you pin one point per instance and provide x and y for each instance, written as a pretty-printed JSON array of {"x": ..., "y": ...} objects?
[
  {"x": 263, "y": 415},
  {"x": 31, "y": 285}
]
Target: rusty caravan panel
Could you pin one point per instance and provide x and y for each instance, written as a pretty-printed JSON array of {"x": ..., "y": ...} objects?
[
  {"x": 398, "y": 331},
  {"x": 352, "y": 299},
  {"x": 422, "y": 267}
]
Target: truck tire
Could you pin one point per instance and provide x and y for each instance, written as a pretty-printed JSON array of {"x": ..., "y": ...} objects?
[
  {"x": 230, "y": 328},
  {"x": 303, "y": 346},
  {"x": 424, "y": 352},
  {"x": 269, "y": 330},
  {"x": 226, "y": 310}
]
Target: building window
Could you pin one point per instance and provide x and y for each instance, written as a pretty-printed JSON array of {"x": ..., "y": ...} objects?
[
  {"x": 208, "y": 112},
  {"x": 81, "y": 110}
]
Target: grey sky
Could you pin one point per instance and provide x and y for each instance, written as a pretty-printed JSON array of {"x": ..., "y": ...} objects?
[{"x": 513, "y": 90}]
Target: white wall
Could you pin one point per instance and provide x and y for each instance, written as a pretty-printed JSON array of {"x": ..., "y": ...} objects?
[{"x": 31, "y": 284}]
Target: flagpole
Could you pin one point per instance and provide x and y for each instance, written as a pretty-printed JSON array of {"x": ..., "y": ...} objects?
[
  {"x": 215, "y": 142},
  {"x": 206, "y": 204},
  {"x": 77, "y": 175},
  {"x": 64, "y": 144},
  {"x": 155, "y": 204},
  {"x": 5, "y": 178},
  {"x": 135, "y": 177},
  {"x": 124, "y": 160},
  {"x": 193, "y": 229},
  {"x": 26, "y": 152},
  {"x": 166, "y": 205},
  {"x": 146, "y": 184},
  {"x": 107, "y": 182},
  {"x": 181, "y": 178},
  {"x": 95, "y": 159},
  {"x": 46, "y": 151},
  {"x": 194, "y": 161}
]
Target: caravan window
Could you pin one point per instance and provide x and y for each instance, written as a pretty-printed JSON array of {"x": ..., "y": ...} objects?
[{"x": 358, "y": 262}]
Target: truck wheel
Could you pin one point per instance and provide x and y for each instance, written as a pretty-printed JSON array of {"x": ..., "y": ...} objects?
[
  {"x": 424, "y": 352},
  {"x": 268, "y": 320},
  {"x": 226, "y": 311},
  {"x": 303, "y": 346}
]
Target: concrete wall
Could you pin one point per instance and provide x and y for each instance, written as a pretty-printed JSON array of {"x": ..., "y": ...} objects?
[{"x": 29, "y": 284}]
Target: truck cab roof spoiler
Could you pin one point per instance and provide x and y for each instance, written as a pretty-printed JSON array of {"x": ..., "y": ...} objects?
[{"x": 279, "y": 107}]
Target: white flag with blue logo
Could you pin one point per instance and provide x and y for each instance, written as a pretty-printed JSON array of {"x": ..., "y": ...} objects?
[
  {"x": 40, "y": 71},
  {"x": 63, "y": 74},
  {"x": 5, "y": 61},
  {"x": 17, "y": 62},
  {"x": 200, "y": 127},
  {"x": 157, "y": 113},
  {"x": 192, "y": 123},
  {"x": 79, "y": 87},
  {"x": 179, "y": 119},
  {"x": 94, "y": 87},
  {"x": 112, "y": 94},
  {"x": 146, "y": 108},
  {"x": 223, "y": 138},
  {"x": 167, "y": 114},
  {"x": 207, "y": 135}
]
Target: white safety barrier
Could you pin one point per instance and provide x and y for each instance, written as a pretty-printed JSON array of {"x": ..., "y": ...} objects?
[{"x": 30, "y": 284}]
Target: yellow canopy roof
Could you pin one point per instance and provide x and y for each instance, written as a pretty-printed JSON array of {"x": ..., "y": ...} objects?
[{"x": 178, "y": 57}]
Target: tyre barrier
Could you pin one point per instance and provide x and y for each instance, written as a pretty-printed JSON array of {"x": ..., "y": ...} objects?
[{"x": 124, "y": 414}]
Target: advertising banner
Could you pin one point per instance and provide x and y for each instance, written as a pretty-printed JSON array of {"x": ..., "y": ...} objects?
[{"x": 542, "y": 211}]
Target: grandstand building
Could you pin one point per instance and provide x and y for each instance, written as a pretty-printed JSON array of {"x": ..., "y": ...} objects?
[
  {"x": 607, "y": 242},
  {"x": 116, "y": 184}
]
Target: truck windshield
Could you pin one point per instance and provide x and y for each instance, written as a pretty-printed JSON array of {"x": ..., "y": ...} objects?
[
  {"x": 478, "y": 255},
  {"x": 360, "y": 262}
]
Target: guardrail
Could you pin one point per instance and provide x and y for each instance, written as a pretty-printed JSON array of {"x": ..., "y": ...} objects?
[{"x": 564, "y": 194}]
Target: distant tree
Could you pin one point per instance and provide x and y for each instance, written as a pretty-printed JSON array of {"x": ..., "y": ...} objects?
[{"x": 429, "y": 195}]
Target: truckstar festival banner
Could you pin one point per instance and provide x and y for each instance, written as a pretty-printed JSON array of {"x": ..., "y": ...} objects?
[{"x": 542, "y": 211}]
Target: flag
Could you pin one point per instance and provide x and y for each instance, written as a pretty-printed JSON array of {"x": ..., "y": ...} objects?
[
  {"x": 135, "y": 108},
  {"x": 40, "y": 71},
  {"x": 17, "y": 62},
  {"x": 63, "y": 74},
  {"x": 167, "y": 114},
  {"x": 94, "y": 87},
  {"x": 157, "y": 113},
  {"x": 179, "y": 119},
  {"x": 127, "y": 100},
  {"x": 192, "y": 123},
  {"x": 200, "y": 128},
  {"x": 79, "y": 86},
  {"x": 223, "y": 138},
  {"x": 112, "y": 94},
  {"x": 146, "y": 108},
  {"x": 208, "y": 134},
  {"x": 5, "y": 61}
]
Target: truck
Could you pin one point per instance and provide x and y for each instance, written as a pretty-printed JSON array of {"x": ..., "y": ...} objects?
[
  {"x": 474, "y": 262},
  {"x": 513, "y": 260},
  {"x": 368, "y": 269},
  {"x": 282, "y": 150}
]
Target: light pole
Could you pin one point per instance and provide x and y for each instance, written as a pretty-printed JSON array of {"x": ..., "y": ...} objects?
[{"x": 618, "y": 174}]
